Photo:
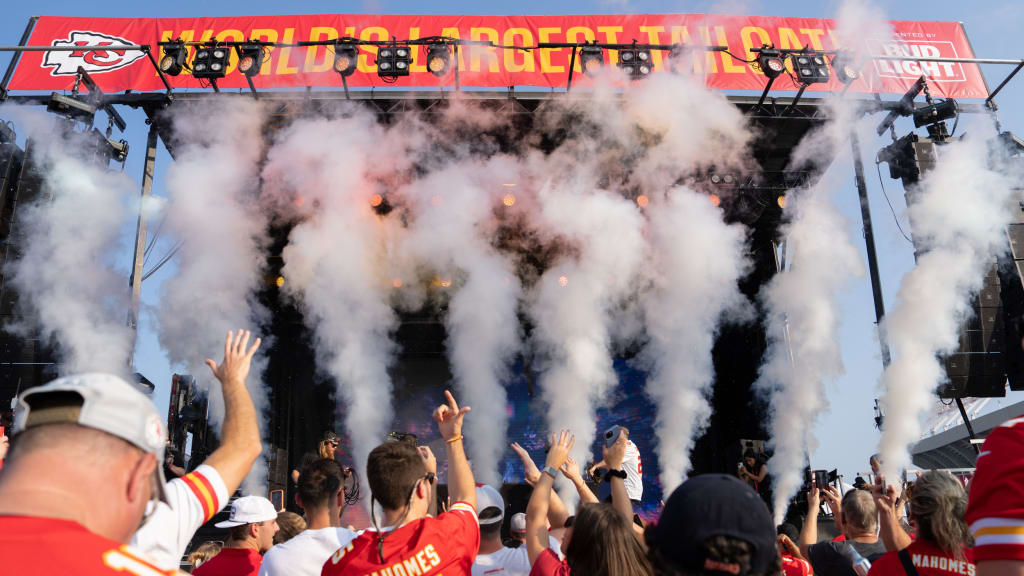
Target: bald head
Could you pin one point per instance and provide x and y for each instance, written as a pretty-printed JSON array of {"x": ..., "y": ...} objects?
[{"x": 860, "y": 515}]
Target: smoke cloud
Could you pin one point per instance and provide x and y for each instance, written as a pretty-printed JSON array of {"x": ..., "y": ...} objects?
[
  {"x": 213, "y": 187},
  {"x": 958, "y": 214},
  {"x": 66, "y": 277}
]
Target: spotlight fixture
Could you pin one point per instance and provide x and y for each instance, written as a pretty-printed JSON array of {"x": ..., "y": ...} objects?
[
  {"x": 935, "y": 113},
  {"x": 636, "y": 62},
  {"x": 591, "y": 59},
  {"x": 781, "y": 201},
  {"x": 210, "y": 62},
  {"x": 250, "y": 59},
  {"x": 715, "y": 200},
  {"x": 71, "y": 108},
  {"x": 844, "y": 64},
  {"x": 772, "y": 62},
  {"x": 439, "y": 59},
  {"x": 346, "y": 56},
  {"x": 393, "y": 61},
  {"x": 810, "y": 68},
  {"x": 173, "y": 61}
]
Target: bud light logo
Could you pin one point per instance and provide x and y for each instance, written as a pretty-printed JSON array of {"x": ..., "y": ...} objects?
[
  {"x": 93, "y": 61},
  {"x": 911, "y": 68}
]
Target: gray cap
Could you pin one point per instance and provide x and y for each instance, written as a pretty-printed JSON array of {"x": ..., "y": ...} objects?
[{"x": 109, "y": 404}]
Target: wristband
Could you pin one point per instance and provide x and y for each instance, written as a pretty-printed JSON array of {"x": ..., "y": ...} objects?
[
  {"x": 614, "y": 474},
  {"x": 551, "y": 471},
  {"x": 454, "y": 440}
]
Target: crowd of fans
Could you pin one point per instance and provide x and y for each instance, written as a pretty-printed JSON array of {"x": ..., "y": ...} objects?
[{"x": 109, "y": 509}]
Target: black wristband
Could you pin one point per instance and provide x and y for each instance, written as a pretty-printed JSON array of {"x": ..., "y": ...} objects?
[{"x": 614, "y": 473}]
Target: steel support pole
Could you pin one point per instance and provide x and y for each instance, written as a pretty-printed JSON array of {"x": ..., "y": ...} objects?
[
  {"x": 967, "y": 424},
  {"x": 15, "y": 57},
  {"x": 869, "y": 242},
  {"x": 135, "y": 280}
]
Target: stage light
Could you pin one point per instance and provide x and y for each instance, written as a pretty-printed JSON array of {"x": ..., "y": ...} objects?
[
  {"x": 279, "y": 281},
  {"x": 716, "y": 201},
  {"x": 642, "y": 200},
  {"x": 810, "y": 68},
  {"x": 346, "y": 56},
  {"x": 397, "y": 283},
  {"x": 173, "y": 61},
  {"x": 210, "y": 62},
  {"x": 439, "y": 59},
  {"x": 716, "y": 179},
  {"x": 781, "y": 201},
  {"x": 446, "y": 282},
  {"x": 845, "y": 66},
  {"x": 771, "y": 62},
  {"x": 728, "y": 179},
  {"x": 250, "y": 59},
  {"x": 563, "y": 281},
  {"x": 591, "y": 60},
  {"x": 509, "y": 200},
  {"x": 636, "y": 62},
  {"x": 376, "y": 200},
  {"x": 935, "y": 113},
  {"x": 71, "y": 107},
  {"x": 393, "y": 61}
]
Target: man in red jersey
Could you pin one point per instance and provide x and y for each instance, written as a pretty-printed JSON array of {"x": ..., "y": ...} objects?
[
  {"x": 410, "y": 543},
  {"x": 251, "y": 530},
  {"x": 793, "y": 562},
  {"x": 83, "y": 467},
  {"x": 995, "y": 512}
]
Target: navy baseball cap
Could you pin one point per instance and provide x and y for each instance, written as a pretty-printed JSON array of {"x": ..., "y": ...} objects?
[{"x": 714, "y": 505}]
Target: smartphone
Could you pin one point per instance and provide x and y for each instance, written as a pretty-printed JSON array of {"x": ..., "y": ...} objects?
[
  {"x": 819, "y": 478},
  {"x": 611, "y": 436}
]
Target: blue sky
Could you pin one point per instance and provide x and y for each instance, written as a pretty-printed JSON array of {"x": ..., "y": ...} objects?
[{"x": 846, "y": 433}]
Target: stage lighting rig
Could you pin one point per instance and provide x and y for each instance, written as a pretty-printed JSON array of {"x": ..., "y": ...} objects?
[
  {"x": 346, "y": 56},
  {"x": 591, "y": 59},
  {"x": 393, "y": 61},
  {"x": 635, "y": 61},
  {"x": 173, "y": 61},
  {"x": 210, "y": 62},
  {"x": 810, "y": 68},
  {"x": 772, "y": 62},
  {"x": 250, "y": 59},
  {"x": 439, "y": 59},
  {"x": 845, "y": 65},
  {"x": 71, "y": 108},
  {"x": 934, "y": 113}
]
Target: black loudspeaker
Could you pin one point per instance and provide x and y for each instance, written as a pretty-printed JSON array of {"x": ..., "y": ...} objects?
[{"x": 1011, "y": 276}]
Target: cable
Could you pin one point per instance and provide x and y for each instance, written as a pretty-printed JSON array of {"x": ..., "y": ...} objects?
[
  {"x": 738, "y": 58},
  {"x": 955, "y": 123},
  {"x": 878, "y": 168},
  {"x": 165, "y": 259}
]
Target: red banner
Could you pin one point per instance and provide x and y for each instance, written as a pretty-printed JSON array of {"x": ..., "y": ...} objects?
[{"x": 118, "y": 70}]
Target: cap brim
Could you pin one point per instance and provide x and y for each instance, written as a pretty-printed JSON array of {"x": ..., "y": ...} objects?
[
  {"x": 229, "y": 524},
  {"x": 490, "y": 521}
]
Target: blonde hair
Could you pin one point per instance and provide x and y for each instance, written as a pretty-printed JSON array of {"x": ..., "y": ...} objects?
[
  {"x": 322, "y": 449},
  {"x": 290, "y": 525},
  {"x": 938, "y": 505},
  {"x": 204, "y": 552}
]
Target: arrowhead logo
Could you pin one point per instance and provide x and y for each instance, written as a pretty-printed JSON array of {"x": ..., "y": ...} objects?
[{"x": 93, "y": 61}]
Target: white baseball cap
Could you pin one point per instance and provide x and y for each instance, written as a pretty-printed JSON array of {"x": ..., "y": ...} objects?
[
  {"x": 103, "y": 402},
  {"x": 488, "y": 497},
  {"x": 249, "y": 510},
  {"x": 518, "y": 523}
]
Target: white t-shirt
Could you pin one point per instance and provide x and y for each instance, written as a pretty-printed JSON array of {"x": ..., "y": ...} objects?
[
  {"x": 194, "y": 499},
  {"x": 509, "y": 561},
  {"x": 634, "y": 472},
  {"x": 306, "y": 553}
]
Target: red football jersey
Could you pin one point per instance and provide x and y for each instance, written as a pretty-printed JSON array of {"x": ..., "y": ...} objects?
[
  {"x": 928, "y": 559},
  {"x": 996, "y": 509},
  {"x": 548, "y": 564},
  {"x": 429, "y": 546},
  {"x": 792, "y": 566},
  {"x": 32, "y": 546}
]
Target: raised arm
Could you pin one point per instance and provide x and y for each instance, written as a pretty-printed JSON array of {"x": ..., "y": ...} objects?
[
  {"x": 571, "y": 470},
  {"x": 537, "y": 509},
  {"x": 460, "y": 478},
  {"x": 557, "y": 511},
  {"x": 620, "y": 498},
  {"x": 240, "y": 444},
  {"x": 809, "y": 533},
  {"x": 890, "y": 531}
]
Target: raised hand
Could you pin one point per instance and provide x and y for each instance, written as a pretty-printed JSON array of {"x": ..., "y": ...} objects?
[
  {"x": 616, "y": 454},
  {"x": 429, "y": 460},
  {"x": 532, "y": 473},
  {"x": 831, "y": 496},
  {"x": 885, "y": 497},
  {"x": 237, "y": 360},
  {"x": 561, "y": 444},
  {"x": 813, "y": 501},
  {"x": 449, "y": 417},
  {"x": 571, "y": 470}
]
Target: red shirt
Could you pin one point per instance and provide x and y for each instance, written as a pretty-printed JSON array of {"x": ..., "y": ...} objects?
[
  {"x": 429, "y": 546},
  {"x": 995, "y": 511},
  {"x": 31, "y": 546},
  {"x": 548, "y": 564},
  {"x": 231, "y": 562},
  {"x": 928, "y": 559},
  {"x": 793, "y": 566}
]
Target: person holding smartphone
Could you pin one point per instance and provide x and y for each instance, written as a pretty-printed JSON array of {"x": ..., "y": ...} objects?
[{"x": 632, "y": 464}]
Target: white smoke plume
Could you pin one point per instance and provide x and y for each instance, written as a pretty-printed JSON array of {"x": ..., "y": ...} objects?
[
  {"x": 66, "y": 277},
  {"x": 336, "y": 261},
  {"x": 696, "y": 265},
  {"x": 213, "y": 187},
  {"x": 450, "y": 231},
  {"x": 573, "y": 299},
  {"x": 958, "y": 213}
]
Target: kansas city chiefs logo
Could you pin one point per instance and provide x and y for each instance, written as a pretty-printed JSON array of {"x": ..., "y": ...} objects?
[{"x": 93, "y": 61}]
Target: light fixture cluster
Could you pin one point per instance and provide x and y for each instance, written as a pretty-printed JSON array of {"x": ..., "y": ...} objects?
[{"x": 809, "y": 67}]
